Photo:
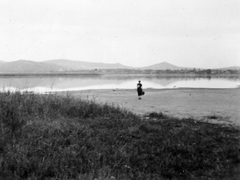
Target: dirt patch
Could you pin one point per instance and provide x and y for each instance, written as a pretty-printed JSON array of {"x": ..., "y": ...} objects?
[{"x": 216, "y": 105}]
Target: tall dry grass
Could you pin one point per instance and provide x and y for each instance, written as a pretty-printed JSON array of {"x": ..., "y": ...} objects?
[{"x": 59, "y": 137}]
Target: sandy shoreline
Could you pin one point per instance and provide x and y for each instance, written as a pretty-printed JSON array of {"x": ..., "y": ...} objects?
[{"x": 183, "y": 103}]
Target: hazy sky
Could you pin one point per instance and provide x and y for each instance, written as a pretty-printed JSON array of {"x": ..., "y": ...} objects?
[{"x": 193, "y": 33}]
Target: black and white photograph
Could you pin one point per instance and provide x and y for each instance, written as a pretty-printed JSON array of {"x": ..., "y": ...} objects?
[{"x": 120, "y": 89}]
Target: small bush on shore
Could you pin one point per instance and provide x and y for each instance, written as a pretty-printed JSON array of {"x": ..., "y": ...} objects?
[{"x": 60, "y": 137}]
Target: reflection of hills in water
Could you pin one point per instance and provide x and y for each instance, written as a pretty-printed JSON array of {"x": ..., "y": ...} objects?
[
  {"x": 110, "y": 82},
  {"x": 165, "y": 82},
  {"x": 48, "y": 82},
  {"x": 63, "y": 83},
  {"x": 23, "y": 83}
]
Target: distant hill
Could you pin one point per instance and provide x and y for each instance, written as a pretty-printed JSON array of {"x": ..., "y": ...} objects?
[
  {"x": 25, "y": 66},
  {"x": 231, "y": 67},
  {"x": 59, "y": 65},
  {"x": 163, "y": 66},
  {"x": 78, "y": 65}
]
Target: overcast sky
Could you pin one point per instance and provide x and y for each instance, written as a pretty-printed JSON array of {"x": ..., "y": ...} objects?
[{"x": 192, "y": 33}]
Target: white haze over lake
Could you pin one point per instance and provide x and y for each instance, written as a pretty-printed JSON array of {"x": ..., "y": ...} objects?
[{"x": 188, "y": 33}]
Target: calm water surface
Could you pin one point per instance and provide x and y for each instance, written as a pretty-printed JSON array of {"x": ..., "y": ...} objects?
[{"x": 73, "y": 83}]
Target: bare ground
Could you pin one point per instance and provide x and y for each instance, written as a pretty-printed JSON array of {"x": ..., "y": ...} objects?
[{"x": 215, "y": 105}]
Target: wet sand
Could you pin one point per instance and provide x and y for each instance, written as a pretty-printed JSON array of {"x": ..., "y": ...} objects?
[{"x": 216, "y": 105}]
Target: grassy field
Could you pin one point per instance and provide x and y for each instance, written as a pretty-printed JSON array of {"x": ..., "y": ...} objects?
[{"x": 61, "y": 137}]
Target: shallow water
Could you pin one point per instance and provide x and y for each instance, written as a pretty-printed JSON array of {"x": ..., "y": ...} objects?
[{"x": 73, "y": 83}]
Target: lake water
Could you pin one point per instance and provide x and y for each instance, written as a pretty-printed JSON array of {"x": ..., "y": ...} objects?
[{"x": 86, "y": 82}]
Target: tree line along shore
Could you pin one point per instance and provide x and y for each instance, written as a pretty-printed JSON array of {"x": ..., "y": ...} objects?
[{"x": 167, "y": 72}]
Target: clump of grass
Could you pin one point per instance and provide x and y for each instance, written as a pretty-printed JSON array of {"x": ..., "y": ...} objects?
[
  {"x": 157, "y": 115},
  {"x": 58, "y": 137},
  {"x": 213, "y": 116}
]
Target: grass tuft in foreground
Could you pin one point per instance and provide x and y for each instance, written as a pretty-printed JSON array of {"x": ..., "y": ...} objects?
[{"x": 58, "y": 137}]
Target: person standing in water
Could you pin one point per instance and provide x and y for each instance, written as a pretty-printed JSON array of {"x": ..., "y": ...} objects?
[{"x": 139, "y": 90}]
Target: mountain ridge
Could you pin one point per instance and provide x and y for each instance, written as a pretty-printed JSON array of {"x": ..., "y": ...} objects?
[
  {"x": 79, "y": 65},
  {"x": 60, "y": 65},
  {"x": 163, "y": 66},
  {"x": 230, "y": 67},
  {"x": 28, "y": 66}
]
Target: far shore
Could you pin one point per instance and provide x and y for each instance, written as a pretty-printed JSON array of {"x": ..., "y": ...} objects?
[
  {"x": 48, "y": 74},
  {"x": 98, "y": 73},
  {"x": 212, "y": 105}
]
